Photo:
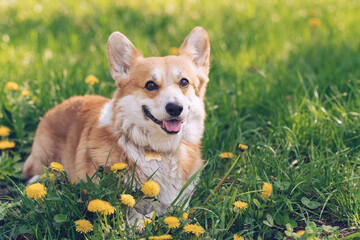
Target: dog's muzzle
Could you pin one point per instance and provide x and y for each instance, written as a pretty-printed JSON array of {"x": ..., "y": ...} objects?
[{"x": 171, "y": 126}]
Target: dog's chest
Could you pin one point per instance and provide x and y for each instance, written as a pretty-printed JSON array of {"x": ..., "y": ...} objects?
[{"x": 165, "y": 172}]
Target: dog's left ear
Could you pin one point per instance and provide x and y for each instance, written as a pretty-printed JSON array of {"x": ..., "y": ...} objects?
[
  {"x": 121, "y": 54},
  {"x": 197, "y": 46}
]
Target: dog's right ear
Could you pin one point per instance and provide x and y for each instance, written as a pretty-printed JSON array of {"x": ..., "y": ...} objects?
[{"x": 121, "y": 53}]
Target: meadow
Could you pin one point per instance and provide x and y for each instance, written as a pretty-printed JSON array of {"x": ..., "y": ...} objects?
[{"x": 284, "y": 81}]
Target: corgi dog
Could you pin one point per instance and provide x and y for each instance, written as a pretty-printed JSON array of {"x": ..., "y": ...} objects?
[{"x": 155, "y": 121}]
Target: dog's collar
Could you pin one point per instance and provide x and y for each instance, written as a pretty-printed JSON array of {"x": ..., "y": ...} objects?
[{"x": 152, "y": 155}]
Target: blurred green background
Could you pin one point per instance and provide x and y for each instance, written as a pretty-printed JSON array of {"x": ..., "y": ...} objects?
[{"x": 265, "y": 55}]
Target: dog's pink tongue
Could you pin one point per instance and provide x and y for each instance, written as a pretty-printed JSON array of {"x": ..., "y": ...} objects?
[{"x": 172, "y": 125}]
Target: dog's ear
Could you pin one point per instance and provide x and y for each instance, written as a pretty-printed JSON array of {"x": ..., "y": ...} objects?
[
  {"x": 197, "y": 46},
  {"x": 121, "y": 53}
]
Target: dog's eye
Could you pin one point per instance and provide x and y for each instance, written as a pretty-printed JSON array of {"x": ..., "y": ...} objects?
[
  {"x": 184, "y": 83},
  {"x": 151, "y": 86}
]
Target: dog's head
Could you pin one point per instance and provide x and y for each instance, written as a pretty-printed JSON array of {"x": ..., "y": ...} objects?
[{"x": 160, "y": 99}]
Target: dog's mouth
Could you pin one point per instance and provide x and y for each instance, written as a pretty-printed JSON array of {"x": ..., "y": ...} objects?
[{"x": 172, "y": 126}]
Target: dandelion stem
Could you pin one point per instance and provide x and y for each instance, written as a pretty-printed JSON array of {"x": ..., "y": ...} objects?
[
  {"x": 120, "y": 178},
  {"x": 126, "y": 215},
  {"x": 116, "y": 218},
  {"x": 119, "y": 181},
  {"x": 222, "y": 180},
  {"x": 105, "y": 219},
  {"x": 102, "y": 224},
  {"x": 248, "y": 192},
  {"x": 232, "y": 222}
]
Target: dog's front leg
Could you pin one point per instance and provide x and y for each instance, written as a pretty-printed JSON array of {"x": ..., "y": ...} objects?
[{"x": 136, "y": 218}]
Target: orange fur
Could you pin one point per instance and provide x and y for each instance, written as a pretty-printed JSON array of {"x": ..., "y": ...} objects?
[{"x": 68, "y": 134}]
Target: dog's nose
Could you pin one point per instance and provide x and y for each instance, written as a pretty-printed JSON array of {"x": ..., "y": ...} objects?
[{"x": 173, "y": 109}]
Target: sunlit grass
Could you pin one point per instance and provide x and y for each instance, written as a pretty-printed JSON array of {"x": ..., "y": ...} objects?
[{"x": 284, "y": 79}]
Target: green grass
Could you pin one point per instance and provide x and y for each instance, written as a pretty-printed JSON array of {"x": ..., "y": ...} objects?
[{"x": 288, "y": 90}]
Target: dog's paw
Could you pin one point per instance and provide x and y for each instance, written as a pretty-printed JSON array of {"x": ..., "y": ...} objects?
[
  {"x": 140, "y": 227},
  {"x": 33, "y": 179}
]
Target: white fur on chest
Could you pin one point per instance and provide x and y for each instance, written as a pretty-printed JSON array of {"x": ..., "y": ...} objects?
[{"x": 164, "y": 172}]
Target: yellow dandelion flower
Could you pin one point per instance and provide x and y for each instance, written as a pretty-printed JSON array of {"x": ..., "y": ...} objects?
[
  {"x": 314, "y": 22},
  {"x": 266, "y": 190},
  {"x": 243, "y": 147},
  {"x": 146, "y": 222},
  {"x": 4, "y": 131},
  {"x": 150, "y": 188},
  {"x": 36, "y": 191},
  {"x": 128, "y": 200},
  {"x": 51, "y": 176},
  {"x": 161, "y": 237},
  {"x": 185, "y": 215},
  {"x": 13, "y": 86},
  {"x": 241, "y": 205},
  {"x": 194, "y": 229},
  {"x": 5, "y": 144},
  {"x": 301, "y": 232},
  {"x": 25, "y": 92},
  {"x": 100, "y": 206},
  {"x": 57, "y": 166},
  {"x": 95, "y": 205},
  {"x": 237, "y": 237},
  {"x": 173, "y": 50},
  {"x": 172, "y": 222},
  {"x": 226, "y": 155},
  {"x": 72, "y": 182},
  {"x": 83, "y": 226},
  {"x": 91, "y": 79},
  {"x": 118, "y": 167}
]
